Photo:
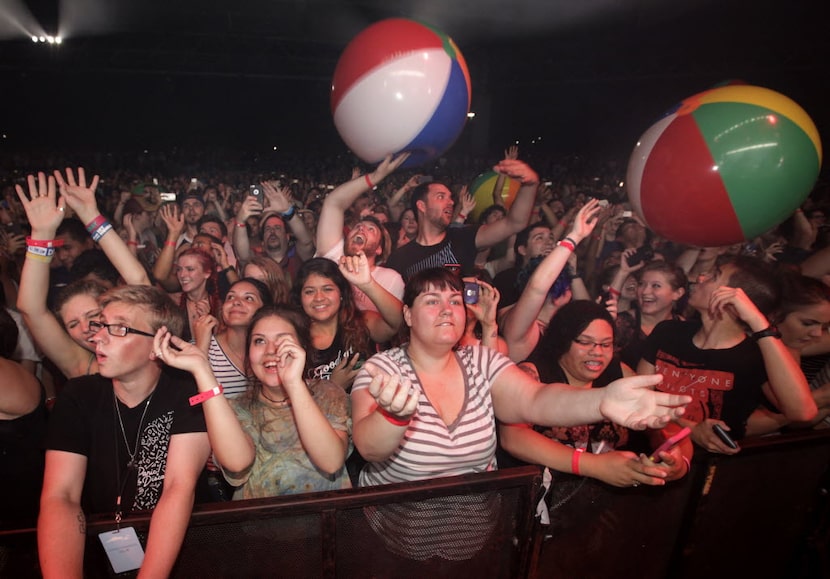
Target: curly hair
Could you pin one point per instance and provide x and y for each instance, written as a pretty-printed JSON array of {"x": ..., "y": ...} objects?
[{"x": 349, "y": 319}]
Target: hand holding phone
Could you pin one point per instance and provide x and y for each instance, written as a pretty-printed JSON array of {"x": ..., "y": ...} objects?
[
  {"x": 724, "y": 436},
  {"x": 670, "y": 443}
]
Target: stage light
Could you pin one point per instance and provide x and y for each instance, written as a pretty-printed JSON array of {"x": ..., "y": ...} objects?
[
  {"x": 58, "y": 40},
  {"x": 34, "y": 38},
  {"x": 41, "y": 38},
  {"x": 50, "y": 39}
]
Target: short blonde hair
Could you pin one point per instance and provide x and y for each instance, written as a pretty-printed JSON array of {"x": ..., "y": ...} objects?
[{"x": 160, "y": 308}]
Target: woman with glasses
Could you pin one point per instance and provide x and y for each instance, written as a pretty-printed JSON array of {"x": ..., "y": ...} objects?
[{"x": 578, "y": 349}]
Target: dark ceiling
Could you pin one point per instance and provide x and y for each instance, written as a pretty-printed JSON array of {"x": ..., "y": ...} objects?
[{"x": 584, "y": 74}]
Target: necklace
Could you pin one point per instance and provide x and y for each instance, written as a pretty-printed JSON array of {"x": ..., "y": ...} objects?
[
  {"x": 285, "y": 400},
  {"x": 131, "y": 464}
]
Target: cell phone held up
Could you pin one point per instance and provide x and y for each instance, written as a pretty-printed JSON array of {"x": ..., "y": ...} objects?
[
  {"x": 669, "y": 443},
  {"x": 471, "y": 291},
  {"x": 255, "y": 191},
  {"x": 644, "y": 253}
]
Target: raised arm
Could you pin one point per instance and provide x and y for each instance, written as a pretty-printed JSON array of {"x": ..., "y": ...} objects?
[
  {"x": 786, "y": 385},
  {"x": 330, "y": 224},
  {"x": 280, "y": 200},
  {"x": 250, "y": 207},
  {"x": 519, "y": 327},
  {"x": 82, "y": 200},
  {"x": 519, "y": 214},
  {"x": 45, "y": 212},
  {"x": 163, "y": 269}
]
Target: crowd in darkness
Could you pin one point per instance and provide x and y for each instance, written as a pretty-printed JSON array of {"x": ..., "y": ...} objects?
[{"x": 317, "y": 324}]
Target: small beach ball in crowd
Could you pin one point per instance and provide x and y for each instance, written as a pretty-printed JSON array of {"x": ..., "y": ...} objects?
[
  {"x": 724, "y": 165},
  {"x": 482, "y": 190},
  {"x": 400, "y": 85}
]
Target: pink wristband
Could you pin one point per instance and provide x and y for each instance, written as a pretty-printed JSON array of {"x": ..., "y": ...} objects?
[
  {"x": 202, "y": 396},
  {"x": 394, "y": 419},
  {"x": 575, "y": 460}
]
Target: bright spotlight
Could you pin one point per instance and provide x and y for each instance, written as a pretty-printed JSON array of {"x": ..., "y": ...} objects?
[
  {"x": 58, "y": 40},
  {"x": 50, "y": 39},
  {"x": 41, "y": 38},
  {"x": 34, "y": 38}
]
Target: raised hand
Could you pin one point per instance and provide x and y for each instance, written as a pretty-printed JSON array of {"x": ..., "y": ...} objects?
[
  {"x": 79, "y": 196},
  {"x": 387, "y": 167},
  {"x": 173, "y": 219},
  {"x": 585, "y": 220},
  {"x": 468, "y": 202},
  {"x": 279, "y": 198},
  {"x": 44, "y": 209},
  {"x": 355, "y": 268},
  {"x": 249, "y": 207},
  {"x": 517, "y": 170}
]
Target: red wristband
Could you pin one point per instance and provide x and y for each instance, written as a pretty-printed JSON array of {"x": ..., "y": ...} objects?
[
  {"x": 240, "y": 225},
  {"x": 44, "y": 242},
  {"x": 368, "y": 181},
  {"x": 131, "y": 242},
  {"x": 575, "y": 460},
  {"x": 169, "y": 243},
  {"x": 93, "y": 225},
  {"x": 202, "y": 396},
  {"x": 567, "y": 245},
  {"x": 394, "y": 419},
  {"x": 614, "y": 292}
]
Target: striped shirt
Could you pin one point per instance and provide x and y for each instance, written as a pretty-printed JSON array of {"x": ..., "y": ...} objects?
[
  {"x": 454, "y": 527},
  {"x": 232, "y": 379},
  {"x": 430, "y": 448}
]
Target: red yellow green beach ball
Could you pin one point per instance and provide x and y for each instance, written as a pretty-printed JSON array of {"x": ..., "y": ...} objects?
[
  {"x": 482, "y": 191},
  {"x": 724, "y": 165}
]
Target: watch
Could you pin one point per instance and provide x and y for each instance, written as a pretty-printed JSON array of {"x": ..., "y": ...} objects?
[{"x": 767, "y": 332}]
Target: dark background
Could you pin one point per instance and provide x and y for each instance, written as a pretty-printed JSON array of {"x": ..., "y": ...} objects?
[{"x": 587, "y": 76}]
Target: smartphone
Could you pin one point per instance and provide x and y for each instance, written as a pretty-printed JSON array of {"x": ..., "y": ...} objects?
[
  {"x": 255, "y": 191},
  {"x": 167, "y": 197},
  {"x": 643, "y": 253},
  {"x": 627, "y": 214},
  {"x": 14, "y": 228},
  {"x": 724, "y": 436},
  {"x": 670, "y": 443},
  {"x": 471, "y": 291},
  {"x": 548, "y": 183},
  {"x": 425, "y": 179}
]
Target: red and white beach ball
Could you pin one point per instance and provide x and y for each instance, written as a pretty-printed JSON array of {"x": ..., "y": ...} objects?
[{"x": 400, "y": 85}]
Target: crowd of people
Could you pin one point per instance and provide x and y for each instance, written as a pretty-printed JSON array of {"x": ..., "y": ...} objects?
[{"x": 173, "y": 339}]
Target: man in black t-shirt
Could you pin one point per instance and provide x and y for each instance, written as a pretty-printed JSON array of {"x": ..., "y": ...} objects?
[
  {"x": 122, "y": 440},
  {"x": 438, "y": 244}
]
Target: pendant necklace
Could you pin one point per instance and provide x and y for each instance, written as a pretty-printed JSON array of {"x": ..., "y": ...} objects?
[
  {"x": 131, "y": 464},
  {"x": 284, "y": 402}
]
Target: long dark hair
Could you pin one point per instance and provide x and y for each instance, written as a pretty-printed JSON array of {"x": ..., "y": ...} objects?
[
  {"x": 566, "y": 325},
  {"x": 349, "y": 319},
  {"x": 295, "y": 317}
]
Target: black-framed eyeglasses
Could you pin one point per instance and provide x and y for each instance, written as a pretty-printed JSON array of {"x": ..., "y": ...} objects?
[
  {"x": 118, "y": 330},
  {"x": 590, "y": 344}
]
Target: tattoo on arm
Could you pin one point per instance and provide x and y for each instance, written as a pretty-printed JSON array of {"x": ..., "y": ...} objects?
[{"x": 81, "y": 523}]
